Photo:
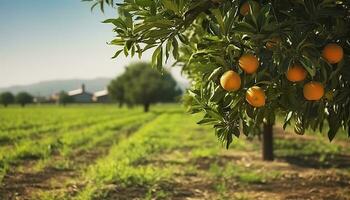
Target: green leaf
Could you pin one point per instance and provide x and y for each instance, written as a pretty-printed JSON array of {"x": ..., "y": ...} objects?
[
  {"x": 155, "y": 55},
  {"x": 117, "y": 22},
  {"x": 126, "y": 51},
  {"x": 308, "y": 65},
  {"x": 117, "y": 53},
  {"x": 207, "y": 121},
  {"x": 214, "y": 75},
  {"x": 160, "y": 60},
  {"x": 331, "y": 133},
  {"x": 334, "y": 123},
  {"x": 175, "y": 48},
  {"x": 144, "y": 3},
  {"x": 168, "y": 48},
  {"x": 245, "y": 28},
  {"x": 287, "y": 119},
  {"x": 170, "y": 5},
  {"x": 299, "y": 126},
  {"x": 214, "y": 114},
  {"x": 219, "y": 19}
]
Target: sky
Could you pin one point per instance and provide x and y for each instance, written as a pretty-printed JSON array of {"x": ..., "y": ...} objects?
[{"x": 44, "y": 40}]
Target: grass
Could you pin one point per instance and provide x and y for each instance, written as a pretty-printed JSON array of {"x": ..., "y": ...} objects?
[
  {"x": 120, "y": 163},
  {"x": 103, "y": 152},
  {"x": 242, "y": 174}
]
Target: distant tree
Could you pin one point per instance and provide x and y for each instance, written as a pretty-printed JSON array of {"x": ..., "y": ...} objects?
[
  {"x": 140, "y": 84},
  {"x": 24, "y": 98},
  {"x": 116, "y": 90},
  {"x": 6, "y": 98},
  {"x": 64, "y": 98}
]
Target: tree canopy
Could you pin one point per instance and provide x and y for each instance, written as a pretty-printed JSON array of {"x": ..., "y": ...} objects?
[
  {"x": 6, "y": 98},
  {"x": 24, "y": 98},
  {"x": 116, "y": 90},
  {"x": 291, "y": 57},
  {"x": 140, "y": 84}
]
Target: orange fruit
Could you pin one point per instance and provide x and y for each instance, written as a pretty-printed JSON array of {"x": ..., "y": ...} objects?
[
  {"x": 313, "y": 91},
  {"x": 249, "y": 63},
  {"x": 273, "y": 42},
  {"x": 333, "y": 53},
  {"x": 230, "y": 81},
  {"x": 255, "y": 96},
  {"x": 296, "y": 73},
  {"x": 245, "y": 7}
]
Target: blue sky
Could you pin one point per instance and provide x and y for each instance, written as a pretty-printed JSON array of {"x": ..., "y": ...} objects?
[{"x": 55, "y": 39}]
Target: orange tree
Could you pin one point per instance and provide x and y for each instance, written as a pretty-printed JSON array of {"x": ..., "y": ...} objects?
[{"x": 249, "y": 60}]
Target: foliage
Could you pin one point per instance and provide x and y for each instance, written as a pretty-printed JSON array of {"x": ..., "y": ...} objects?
[
  {"x": 125, "y": 153},
  {"x": 140, "y": 84},
  {"x": 6, "y": 98},
  {"x": 208, "y": 37},
  {"x": 64, "y": 98},
  {"x": 24, "y": 98},
  {"x": 116, "y": 90},
  {"x": 66, "y": 131},
  {"x": 102, "y": 3}
]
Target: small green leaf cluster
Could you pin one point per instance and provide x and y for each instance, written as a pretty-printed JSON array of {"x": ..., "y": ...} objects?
[{"x": 101, "y": 3}]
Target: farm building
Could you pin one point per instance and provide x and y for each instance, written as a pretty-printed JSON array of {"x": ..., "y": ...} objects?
[
  {"x": 80, "y": 95},
  {"x": 101, "y": 97}
]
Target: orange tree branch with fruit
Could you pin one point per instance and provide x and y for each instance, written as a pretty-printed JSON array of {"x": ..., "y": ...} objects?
[{"x": 249, "y": 60}]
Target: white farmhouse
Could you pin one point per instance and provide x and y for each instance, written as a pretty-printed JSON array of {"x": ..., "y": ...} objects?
[{"x": 80, "y": 95}]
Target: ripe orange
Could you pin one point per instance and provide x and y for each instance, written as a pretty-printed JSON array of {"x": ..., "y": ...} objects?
[
  {"x": 273, "y": 42},
  {"x": 245, "y": 8},
  {"x": 296, "y": 73},
  {"x": 313, "y": 91},
  {"x": 333, "y": 53},
  {"x": 249, "y": 63},
  {"x": 255, "y": 96},
  {"x": 230, "y": 81}
]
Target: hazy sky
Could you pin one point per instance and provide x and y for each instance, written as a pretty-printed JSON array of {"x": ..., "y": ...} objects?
[{"x": 55, "y": 39}]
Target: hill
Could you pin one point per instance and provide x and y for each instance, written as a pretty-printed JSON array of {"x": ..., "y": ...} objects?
[{"x": 46, "y": 88}]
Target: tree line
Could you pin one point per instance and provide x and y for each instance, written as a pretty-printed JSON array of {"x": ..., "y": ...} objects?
[
  {"x": 138, "y": 85},
  {"x": 22, "y": 98}
]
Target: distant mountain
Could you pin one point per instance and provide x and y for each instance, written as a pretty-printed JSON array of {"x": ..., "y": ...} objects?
[{"x": 47, "y": 88}]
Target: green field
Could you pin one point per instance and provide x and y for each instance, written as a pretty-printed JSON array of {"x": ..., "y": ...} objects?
[{"x": 103, "y": 152}]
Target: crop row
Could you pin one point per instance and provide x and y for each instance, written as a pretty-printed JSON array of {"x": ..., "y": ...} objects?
[
  {"x": 156, "y": 137},
  {"x": 14, "y": 135},
  {"x": 63, "y": 142}
]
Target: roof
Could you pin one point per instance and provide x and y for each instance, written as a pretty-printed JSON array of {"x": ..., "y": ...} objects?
[
  {"x": 77, "y": 92},
  {"x": 101, "y": 93}
]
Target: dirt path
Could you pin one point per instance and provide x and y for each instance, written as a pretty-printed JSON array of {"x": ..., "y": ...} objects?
[{"x": 193, "y": 178}]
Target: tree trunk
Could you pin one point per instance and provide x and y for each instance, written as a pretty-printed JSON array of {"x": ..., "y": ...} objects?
[
  {"x": 146, "y": 107},
  {"x": 5, "y": 105},
  {"x": 120, "y": 104},
  {"x": 267, "y": 142}
]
